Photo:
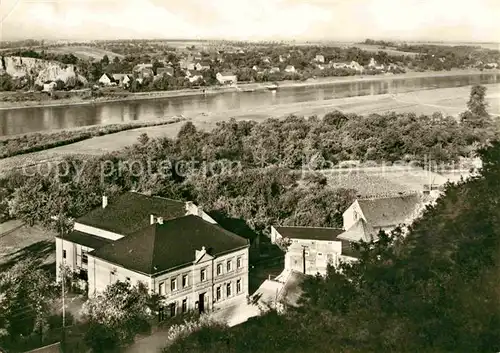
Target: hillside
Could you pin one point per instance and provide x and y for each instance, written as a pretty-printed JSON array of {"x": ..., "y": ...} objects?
[{"x": 40, "y": 71}]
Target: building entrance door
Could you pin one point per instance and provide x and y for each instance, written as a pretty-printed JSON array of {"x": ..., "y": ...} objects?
[{"x": 201, "y": 302}]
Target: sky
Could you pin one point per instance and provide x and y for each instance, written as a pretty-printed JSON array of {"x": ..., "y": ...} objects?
[{"x": 342, "y": 20}]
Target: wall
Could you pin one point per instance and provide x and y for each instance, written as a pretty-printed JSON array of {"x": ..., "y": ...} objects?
[
  {"x": 318, "y": 254},
  {"x": 274, "y": 235},
  {"x": 195, "y": 287},
  {"x": 73, "y": 258},
  {"x": 192, "y": 209},
  {"x": 99, "y": 275},
  {"x": 349, "y": 215}
]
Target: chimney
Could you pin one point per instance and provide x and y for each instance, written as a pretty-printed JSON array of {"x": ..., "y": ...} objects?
[
  {"x": 104, "y": 201},
  {"x": 160, "y": 220},
  {"x": 151, "y": 219}
]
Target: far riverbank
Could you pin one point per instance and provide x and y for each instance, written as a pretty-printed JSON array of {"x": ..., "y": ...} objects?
[{"x": 243, "y": 87}]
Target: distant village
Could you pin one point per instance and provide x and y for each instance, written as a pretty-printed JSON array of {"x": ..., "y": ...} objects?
[{"x": 153, "y": 67}]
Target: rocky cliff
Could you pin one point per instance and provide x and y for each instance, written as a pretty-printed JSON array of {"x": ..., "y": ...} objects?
[{"x": 42, "y": 71}]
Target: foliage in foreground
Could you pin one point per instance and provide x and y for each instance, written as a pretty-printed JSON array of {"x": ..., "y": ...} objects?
[
  {"x": 435, "y": 290},
  {"x": 117, "y": 315}
]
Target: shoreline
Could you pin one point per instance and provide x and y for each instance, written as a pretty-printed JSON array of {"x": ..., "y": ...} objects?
[
  {"x": 244, "y": 87},
  {"x": 449, "y": 101}
]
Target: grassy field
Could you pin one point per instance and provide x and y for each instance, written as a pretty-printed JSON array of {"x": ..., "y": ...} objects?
[
  {"x": 84, "y": 52},
  {"x": 22, "y": 144},
  {"x": 376, "y": 48},
  {"x": 20, "y": 242}
]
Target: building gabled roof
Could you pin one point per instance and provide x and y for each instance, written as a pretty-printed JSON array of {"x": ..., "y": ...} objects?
[
  {"x": 227, "y": 73},
  {"x": 85, "y": 239},
  {"x": 52, "y": 348},
  {"x": 131, "y": 211},
  {"x": 109, "y": 76},
  {"x": 160, "y": 247},
  {"x": 389, "y": 211},
  {"x": 309, "y": 233},
  {"x": 359, "y": 231}
]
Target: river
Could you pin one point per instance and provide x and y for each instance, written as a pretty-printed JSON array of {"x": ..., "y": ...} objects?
[{"x": 24, "y": 120}]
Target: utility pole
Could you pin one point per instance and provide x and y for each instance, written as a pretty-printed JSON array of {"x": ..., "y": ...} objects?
[
  {"x": 60, "y": 221},
  {"x": 304, "y": 258}
]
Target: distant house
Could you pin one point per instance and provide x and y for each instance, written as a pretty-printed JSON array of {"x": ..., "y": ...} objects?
[
  {"x": 195, "y": 77},
  {"x": 274, "y": 70},
  {"x": 310, "y": 250},
  {"x": 139, "y": 67},
  {"x": 226, "y": 77},
  {"x": 340, "y": 65},
  {"x": 266, "y": 60},
  {"x": 49, "y": 87},
  {"x": 356, "y": 66},
  {"x": 491, "y": 66},
  {"x": 202, "y": 66},
  {"x": 123, "y": 79},
  {"x": 187, "y": 65},
  {"x": 364, "y": 218},
  {"x": 255, "y": 68},
  {"x": 319, "y": 58},
  {"x": 290, "y": 69},
  {"x": 135, "y": 238},
  {"x": 167, "y": 70},
  {"x": 374, "y": 65},
  {"x": 106, "y": 80},
  {"x": 281, "y": 59}
]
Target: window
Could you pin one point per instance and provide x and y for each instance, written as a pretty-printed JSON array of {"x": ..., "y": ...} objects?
[
  {"x": 161, "y": 288},
  {"x": 228, "y": 290},
  {"x": 219, "y": 269},
  {"x": 85, "y": 259},
  {"x": 128, "y": 279},
  {"x": 184, "y": 305},
  {"x": 229, "y": 266},
  {"x": 184, "y": 281},
  {"x": 203, "y": 275},
  {"x": 64, "y": 254},
  {"x": 320, "y": 254},
  {"x": 218, "y": 294},
  {"x": 307, "y": 253},
  {"x": 239, "y": 262},
  {"x": 172, "y": 310},
  {"x": 161, "y": 313},
  {"x": 238, "y": 286},
  {"x": 173, "y": 284}
]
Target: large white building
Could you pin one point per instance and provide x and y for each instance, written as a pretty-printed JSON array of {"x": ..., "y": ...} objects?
[{"x": 173, "y": 247}]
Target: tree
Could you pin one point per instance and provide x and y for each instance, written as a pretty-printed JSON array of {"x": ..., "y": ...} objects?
[
  {"x": 477, "y": 116},
  {"x": 118, "y": 314},
  {"x": 105, "y": 60},
  {"x": 26, "y": 298},
  {"x": 6, "y": 83}
]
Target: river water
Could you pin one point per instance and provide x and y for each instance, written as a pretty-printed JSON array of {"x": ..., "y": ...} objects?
[{"x": 24, "y": 120}]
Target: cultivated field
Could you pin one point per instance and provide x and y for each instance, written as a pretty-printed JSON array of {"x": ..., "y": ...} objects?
[
  {"x": 384, "y": 181},
  {"x": 84, "y": 52},
  {"x": 377, "y": 48}
]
